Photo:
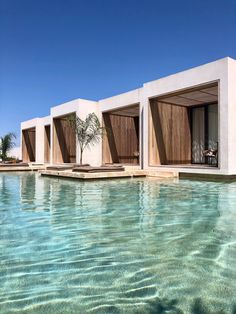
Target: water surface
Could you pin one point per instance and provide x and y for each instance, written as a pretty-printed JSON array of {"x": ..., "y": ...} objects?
[{"x": 117, "y": 246}]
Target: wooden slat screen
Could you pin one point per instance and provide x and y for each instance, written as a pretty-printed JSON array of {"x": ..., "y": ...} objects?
[
  {"x": 28, "y": 145},
  {"x": 121, "y": 143},
  {"x": 47, "y": 143},
  {"x": 64, "y": 150},
  {"x": 170, "y": 134}
]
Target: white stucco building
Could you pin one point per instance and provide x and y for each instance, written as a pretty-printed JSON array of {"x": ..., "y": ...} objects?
[{"x": 168, "y": 123}]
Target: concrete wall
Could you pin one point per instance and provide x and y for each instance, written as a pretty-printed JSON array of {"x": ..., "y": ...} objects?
[
  {"x": 119, "y": 101},
  {"x": 39, "y": 124},
  {"x": 124, "y": 100},
  {"x": 35, "y": 123},
  {"x": 211, "y": 72},
  {"x": 82, "y": 108},
  {"x": 92, "y": 155},
  {"x": 231, "y": 90}
]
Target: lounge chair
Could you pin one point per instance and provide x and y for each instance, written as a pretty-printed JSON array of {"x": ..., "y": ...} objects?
[
  {"x": 90, "y": 169},
  {"x": 60, "y": 167}
]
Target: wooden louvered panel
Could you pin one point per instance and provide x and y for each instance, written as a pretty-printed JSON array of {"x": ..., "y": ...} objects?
[
  {"x": 28, "y": 145},
  {"x": 121, "y": 142},
  {"x": 170, "y": 134},
  {"x": 47, "y": 143},
  {"x": 64, "y": 148}
]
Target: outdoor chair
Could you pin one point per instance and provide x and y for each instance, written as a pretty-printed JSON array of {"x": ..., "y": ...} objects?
[{"x": 211, "y": 155}]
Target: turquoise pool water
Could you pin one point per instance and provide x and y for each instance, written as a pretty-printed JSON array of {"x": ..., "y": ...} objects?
[{"x": 122, "y": 246}]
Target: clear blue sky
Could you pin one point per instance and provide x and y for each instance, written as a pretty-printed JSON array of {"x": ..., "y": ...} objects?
[{"x": 53, "y": 51}]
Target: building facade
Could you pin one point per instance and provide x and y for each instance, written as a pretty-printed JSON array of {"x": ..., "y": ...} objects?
[{"x": 175, "y": 122}]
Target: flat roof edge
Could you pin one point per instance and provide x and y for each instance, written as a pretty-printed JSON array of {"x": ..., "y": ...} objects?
[
  {"x": 76, "y": 100},
  {"x": 137, "y": 90},
  {"x": 218, "y": 61}
]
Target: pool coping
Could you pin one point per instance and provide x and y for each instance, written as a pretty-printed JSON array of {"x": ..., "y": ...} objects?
[
  {"x": 20, "y": 168},
  {"x": 107, "y": 175}
]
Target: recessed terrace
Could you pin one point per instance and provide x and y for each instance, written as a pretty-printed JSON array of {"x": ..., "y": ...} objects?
[
  {"x": 183, "y": 126},
  {"x": 121, "y": 142}
]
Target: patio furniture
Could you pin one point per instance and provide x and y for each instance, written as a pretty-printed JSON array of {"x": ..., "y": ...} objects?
[
  {"x": 98, "y": 169},
  {"x": 60, "y": 167},
  {"x": 211, "y": 155},
  {"x": 21, "y": 164}
]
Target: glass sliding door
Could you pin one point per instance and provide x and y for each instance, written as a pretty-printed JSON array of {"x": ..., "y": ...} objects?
[
  {"x": 204, "y": 121},
  {"x": 212, "y": 127},
  {"x": 198, "y": 135}
]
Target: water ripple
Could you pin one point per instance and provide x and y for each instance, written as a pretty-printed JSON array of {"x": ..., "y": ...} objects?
[{"x": 122, "y": 246}]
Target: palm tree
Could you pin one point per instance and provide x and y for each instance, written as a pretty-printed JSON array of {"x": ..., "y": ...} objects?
[
  {"x": 6, "y": 144},
  {"x": 88, "y": 131}
]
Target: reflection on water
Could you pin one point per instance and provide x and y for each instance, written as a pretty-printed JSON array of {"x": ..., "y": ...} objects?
[{"x": 121, "y": 246}]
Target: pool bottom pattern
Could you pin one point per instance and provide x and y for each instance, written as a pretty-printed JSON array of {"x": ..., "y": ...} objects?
[{"x": 122, "y": 246}]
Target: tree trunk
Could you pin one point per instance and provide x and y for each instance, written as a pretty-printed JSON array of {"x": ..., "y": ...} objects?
[{"x": 81, "y": 157}]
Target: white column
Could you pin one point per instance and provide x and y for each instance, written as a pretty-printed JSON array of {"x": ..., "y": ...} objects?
[
  {"x": 144, "y": 109},
  {"x": 231, "y": 116},
  {"x": 39, "y": 142}
]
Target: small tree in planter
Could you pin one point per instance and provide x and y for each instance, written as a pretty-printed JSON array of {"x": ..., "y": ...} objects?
[
  {"x": 88, "y": 131},
  {"x": 6, "y": 144}
]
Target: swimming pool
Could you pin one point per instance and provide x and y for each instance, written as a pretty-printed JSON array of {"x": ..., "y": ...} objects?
[{"x": 116, "y": 246}]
